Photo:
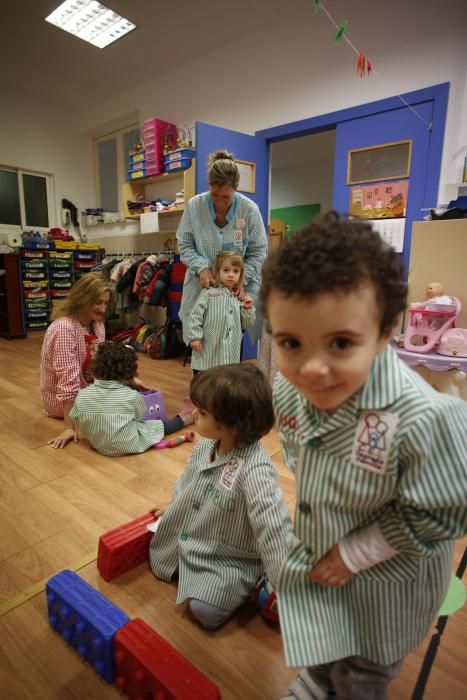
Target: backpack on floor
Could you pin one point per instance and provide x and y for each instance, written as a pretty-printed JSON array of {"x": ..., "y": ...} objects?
[{"x": 166, "y": 342}]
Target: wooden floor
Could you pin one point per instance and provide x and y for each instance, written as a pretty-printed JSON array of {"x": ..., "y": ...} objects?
[{"x": 54, "y": 504}]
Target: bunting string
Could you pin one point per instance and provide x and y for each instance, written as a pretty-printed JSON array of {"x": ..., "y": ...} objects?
[{"x": 363, "y": 62}]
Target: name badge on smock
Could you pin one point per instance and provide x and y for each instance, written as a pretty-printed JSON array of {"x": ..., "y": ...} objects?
[
  {"x": 373, "y": 439},
  {"x": 238, "y": 238},
  {"x": 229, "y": 473}
]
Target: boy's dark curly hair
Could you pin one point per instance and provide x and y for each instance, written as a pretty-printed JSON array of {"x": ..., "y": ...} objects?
[
  {"x": 238, "y": 397},
  {"x": 114, "y": 361},
  {"x": 335, "y": 254}
]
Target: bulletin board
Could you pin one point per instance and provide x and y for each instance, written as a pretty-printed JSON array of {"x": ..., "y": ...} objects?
[{"x": 381, "y": 200}]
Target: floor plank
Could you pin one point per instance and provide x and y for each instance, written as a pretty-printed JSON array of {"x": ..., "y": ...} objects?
[{"x": 54, "y": 504}]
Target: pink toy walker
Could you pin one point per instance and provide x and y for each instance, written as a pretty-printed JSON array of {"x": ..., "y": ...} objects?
[{"x": 429, "y": 323}]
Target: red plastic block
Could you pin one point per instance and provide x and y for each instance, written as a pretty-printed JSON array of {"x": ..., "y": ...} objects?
[
  {"x": 124, "y": 547},
  {"x": 147, "y": 666}
]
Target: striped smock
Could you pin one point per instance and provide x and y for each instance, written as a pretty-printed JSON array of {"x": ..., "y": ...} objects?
[
  {"x": 227, "y": 522},
  {"x": 218, "y": 319},
  {"x": 409, "y": 477},
  {"x": 110, "y": 415}
]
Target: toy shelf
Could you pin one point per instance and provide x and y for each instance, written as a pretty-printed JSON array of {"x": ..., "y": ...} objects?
[{"x": 163, "y": 186}]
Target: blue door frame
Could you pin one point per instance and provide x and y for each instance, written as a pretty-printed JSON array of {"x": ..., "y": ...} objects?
[{"x": 437, "y": 94}]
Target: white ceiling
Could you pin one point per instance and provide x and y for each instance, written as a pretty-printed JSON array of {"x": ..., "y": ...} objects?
[{"x": 46, "y": 62}]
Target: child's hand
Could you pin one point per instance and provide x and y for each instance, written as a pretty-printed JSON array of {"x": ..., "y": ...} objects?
[
  {"x": 247, "y": 302},
  {"x": 136, "y": 383},
  {"x": 196, "y": 345},
  {"x": 64, "y": 438},
  {"x": 239, "y": 292},
  {"x": 160, "y": 509},
  {"x": 331, "y": 570}
]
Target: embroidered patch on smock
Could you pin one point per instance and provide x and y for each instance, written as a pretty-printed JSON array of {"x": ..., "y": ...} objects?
[
  {"x": 240, "y": 223},
  {"x": 229, "y": 473},
  {"x": 373, "y": 439},
  {"x": 238, "y": 237}
]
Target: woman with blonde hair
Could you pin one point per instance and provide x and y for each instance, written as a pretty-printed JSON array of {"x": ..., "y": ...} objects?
[
  {"x": 217, "y": 220},
  {"x": 67, "y": 350}
]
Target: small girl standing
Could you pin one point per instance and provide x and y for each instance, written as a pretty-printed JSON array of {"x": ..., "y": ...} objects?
[
  {"x": 109, "y": 413},
  {"x": 228, "y": 520},
  {"x": 220, "y": 316}
]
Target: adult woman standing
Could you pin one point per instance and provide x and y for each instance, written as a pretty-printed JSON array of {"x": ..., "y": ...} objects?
[
  {"x": 78, "y": 325},
  {"x": 220, "y": 219}
]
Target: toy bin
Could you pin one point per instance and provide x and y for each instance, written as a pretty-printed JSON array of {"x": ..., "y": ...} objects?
[
  {"x": 136, "y": 174},
  {"x": 137, "y": 157},
  {"x": 137, "y": 165},
  {"x": 181, "y": 164},
  {"x": 155, "y": 406},
  {"x": 180, "y": 153}
]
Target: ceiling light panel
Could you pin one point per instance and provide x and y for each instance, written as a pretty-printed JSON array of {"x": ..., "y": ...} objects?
[{"x": 90, "y": 21}]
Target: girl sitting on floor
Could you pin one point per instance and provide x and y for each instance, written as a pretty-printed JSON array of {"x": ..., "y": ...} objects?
[
  {"x": 109, "y": 413},
  {"x": 228, "y": 521}
]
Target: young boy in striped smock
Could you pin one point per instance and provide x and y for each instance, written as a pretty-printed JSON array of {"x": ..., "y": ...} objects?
[
  {"x": 110, "y": 414},
  {"x": 228, "y": 520},
  {"x": 379, "y": 458},
  {"x": 220, "y": 315}
]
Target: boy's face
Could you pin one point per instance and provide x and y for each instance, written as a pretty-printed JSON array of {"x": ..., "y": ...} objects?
[
  {"x": 325, "y": 345},
  {"x": 208, "y": 427},
  {"x": 229, "y": 274}
]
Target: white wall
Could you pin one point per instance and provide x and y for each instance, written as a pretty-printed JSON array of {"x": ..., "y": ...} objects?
[
  {"x": 302, "y": 171},
  {"x": 37, "y": 137},
  {"x": 305, "y": 184},
  {"x": 293, "y": 70},
  {"x": 284, "y": 72}
]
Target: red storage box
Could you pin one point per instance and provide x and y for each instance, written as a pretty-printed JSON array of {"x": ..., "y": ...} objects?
[{"x": 124, "y": 547}]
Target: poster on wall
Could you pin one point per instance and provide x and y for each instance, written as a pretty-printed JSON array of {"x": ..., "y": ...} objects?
[{"x": 380, "y": 200}]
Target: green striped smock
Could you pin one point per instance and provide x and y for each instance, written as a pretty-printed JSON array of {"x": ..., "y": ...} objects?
[
  {"x": 218, "y": 319},
  {"x": 110, "y": 415},
  {"x": 417, "y": 492},
  {"x": 227, "y": 523}
]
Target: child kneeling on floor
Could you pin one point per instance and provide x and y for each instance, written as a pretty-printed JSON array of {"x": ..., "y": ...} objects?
[
  {"x": 228, "y": 520},
  {"x": 110, "y": 414}
]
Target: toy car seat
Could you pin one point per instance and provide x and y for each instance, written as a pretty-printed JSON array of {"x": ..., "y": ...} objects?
[{"x": 429, "y": 323}]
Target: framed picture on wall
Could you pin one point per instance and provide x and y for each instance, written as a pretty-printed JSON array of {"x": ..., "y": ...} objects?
[
  {"x": 247, "y": 172},
  {"x": 388, "y": 161},
  {"x": 382, "y": 200}
]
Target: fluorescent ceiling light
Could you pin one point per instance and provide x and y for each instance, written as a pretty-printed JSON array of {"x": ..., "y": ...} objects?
[{"x": 90, "y": 21}]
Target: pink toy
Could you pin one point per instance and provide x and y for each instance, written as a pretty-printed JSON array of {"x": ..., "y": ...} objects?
[
  {"x": 155, "y": 407},
  {"x": 174, "y": 442},
  {"x": 453, "y": 342},
  {"x": 428, "y": 322}
]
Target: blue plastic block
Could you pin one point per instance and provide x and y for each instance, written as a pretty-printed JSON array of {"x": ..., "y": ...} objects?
[{"x": 85, "y": 619}]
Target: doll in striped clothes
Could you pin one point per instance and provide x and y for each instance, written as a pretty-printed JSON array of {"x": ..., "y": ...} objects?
[
  {"x": 110, "y": 413},
  {"x": 220, "y": 315}
]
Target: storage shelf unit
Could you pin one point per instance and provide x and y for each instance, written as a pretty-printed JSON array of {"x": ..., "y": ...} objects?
[
  {"x": 12, "y": 323},
  {"x": 164, "y": 186},
  {"x": 35, "y": 285},
  {"x": 47, "y": 277}
]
